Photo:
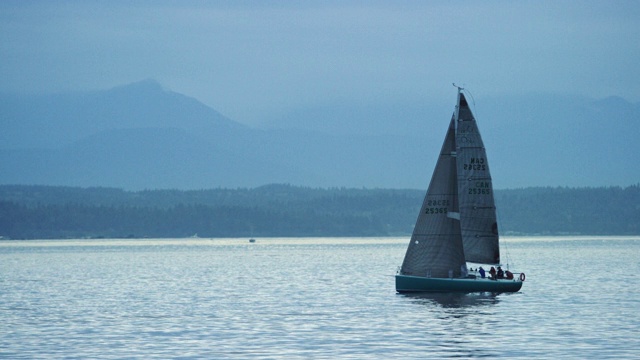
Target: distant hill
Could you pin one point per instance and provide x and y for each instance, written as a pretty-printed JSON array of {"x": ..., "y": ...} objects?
[
  {"x": 284, "y": 210},
  {"x": 141, "y": 136}
]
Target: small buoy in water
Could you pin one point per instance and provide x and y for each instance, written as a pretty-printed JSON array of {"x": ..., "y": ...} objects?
[{"x": 252, "y": 240}]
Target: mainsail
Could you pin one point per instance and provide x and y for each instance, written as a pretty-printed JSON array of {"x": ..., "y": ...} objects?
[
  {"x": 477, "y": 208},
  {"x": 457, "y": 220}
]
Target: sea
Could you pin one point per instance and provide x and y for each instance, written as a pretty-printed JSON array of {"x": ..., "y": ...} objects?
[{"x": 309, "y": 298}]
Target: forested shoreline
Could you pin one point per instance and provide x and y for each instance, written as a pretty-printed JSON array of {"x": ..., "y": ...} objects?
[{"x": 50, "y": 212}]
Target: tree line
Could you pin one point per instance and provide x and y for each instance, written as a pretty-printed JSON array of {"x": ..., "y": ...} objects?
[{"x": 45, "y": 212}]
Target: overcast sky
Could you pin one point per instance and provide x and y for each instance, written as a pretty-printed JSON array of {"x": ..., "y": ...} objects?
[{"x": 256, "y": 59}]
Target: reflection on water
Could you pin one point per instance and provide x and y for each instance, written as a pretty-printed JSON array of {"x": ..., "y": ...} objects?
[{"x": 454, "y": 300}]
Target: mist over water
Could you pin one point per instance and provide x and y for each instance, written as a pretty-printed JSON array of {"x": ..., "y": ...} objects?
[{"x": 308, "y": 298}]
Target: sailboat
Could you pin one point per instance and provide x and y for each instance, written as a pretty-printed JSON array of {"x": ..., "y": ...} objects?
[{"x": 457, "y": 221}]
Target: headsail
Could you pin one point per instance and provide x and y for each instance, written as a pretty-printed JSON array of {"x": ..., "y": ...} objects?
[
  {"x": 435, "y": 249},
  {"x": 477, "y": 206}
]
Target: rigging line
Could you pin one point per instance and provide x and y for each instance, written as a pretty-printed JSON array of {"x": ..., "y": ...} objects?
[
  {"x": 473, "y": 101},
  {"x": 463, "y": 88},
  {"x": 505, "y": 243}
]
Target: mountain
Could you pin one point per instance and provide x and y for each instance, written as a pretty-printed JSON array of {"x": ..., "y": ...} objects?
[
  {"x": 141, "y": 136},
  {"x": 563, "y": 140},
  {"x": 136, "y": 136},
  {"x": 531, "y": 139},
  {"x": 47, "y": 121}
]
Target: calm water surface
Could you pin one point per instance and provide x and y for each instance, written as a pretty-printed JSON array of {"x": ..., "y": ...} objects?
[{"x": 308, "y": 298}]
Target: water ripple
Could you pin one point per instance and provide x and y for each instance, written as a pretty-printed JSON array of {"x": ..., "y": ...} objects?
[{"x": 308, "y": 298}]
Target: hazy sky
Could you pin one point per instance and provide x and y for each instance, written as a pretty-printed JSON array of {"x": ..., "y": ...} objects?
[{"x": 256, "y": 59}]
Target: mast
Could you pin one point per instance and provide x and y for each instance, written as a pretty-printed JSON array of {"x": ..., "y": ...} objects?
[{"x": 457, "y": 109}]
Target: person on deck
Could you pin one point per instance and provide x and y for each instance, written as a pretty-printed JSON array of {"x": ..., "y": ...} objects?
[
  {"x": 481, "y": 270},
  {"x": 500, "y": 273},
  {"x": 508, "y": 275},
  {"x": 492, "y": 273}
]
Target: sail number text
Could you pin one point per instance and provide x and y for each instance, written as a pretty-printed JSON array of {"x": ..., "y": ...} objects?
[
  {"x": 476, "y": 164},
  {"x": 436, "y": 207},
  {"x": 480, "y": 188}
]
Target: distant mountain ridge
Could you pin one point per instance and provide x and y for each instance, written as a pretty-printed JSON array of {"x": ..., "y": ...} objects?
[
  {"x": 35, "y": 121},
  {"x": 142, "y": 136}
]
